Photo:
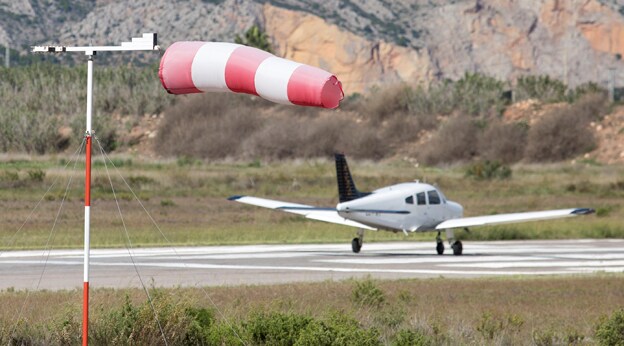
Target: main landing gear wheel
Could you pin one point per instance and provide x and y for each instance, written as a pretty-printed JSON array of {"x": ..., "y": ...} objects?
[
  {"x": 439, "y": 245},
  {"x": 457, "y": 248},
  {"x": 356, "y": 245}
]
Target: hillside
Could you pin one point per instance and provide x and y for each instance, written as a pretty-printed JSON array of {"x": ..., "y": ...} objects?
[{"x": 366, "y": 43}]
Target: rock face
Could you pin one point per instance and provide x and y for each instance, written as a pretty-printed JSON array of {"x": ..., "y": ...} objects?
[
  {"x": 360, "y": 63},
  {"x": 366, "y": 43}
]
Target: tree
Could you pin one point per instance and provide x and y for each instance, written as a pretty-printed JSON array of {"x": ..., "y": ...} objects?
[{"x": 255, "y": 37}]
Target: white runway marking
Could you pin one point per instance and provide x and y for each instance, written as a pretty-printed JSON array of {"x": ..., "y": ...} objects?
[{"x": 266, "y": 264}]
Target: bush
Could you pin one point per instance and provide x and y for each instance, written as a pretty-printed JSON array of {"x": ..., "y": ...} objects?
[
  {"x": 366, "y": 293},
  {"x": 562, "y": 134},
  {"x": 276, "y": 328},
  {"x": 207, "y": 126},
  {"x": 408, "y": 337},
  {"x": 233, "y": 126},
  {"x": 384, "y": 103},
  {"x": 36, "y": 175},
  {"x": 541, "y": 88},
  {"x": 479, "y": 95},
  {"x": 503, "y": 142},
  {"x": 610, "y": 330},
  {"x": 455, "y": 141},
  {"x": 338, "y": 330},
  {"x": 488, "y": 170}
]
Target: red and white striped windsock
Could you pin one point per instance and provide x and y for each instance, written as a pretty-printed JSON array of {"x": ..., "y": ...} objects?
[{"x": 193, "y": 67}]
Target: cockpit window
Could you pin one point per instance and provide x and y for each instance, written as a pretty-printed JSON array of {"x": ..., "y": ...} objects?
[
  {"x": 434, "y": 198},
  {"x": 420, "y": 198},
  {"x": 409, "y": 200}
]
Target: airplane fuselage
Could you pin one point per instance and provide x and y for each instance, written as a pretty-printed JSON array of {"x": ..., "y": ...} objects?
[{"x": 406, "y": 207}]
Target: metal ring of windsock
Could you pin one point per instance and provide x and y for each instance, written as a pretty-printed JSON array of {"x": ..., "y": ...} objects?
[{"x": 194, "y": 67}]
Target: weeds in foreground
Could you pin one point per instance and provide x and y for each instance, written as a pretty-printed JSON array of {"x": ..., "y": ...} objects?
[{"x": 485, "y": 311}]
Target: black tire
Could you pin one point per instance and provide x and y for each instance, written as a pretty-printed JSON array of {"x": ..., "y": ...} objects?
[
  {"x": 458, "y": 248},
  {"x": 440, "y": 248},
  {"x": 355, "y": 245}
]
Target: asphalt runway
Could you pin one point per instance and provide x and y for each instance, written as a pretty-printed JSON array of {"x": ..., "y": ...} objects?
[{"x": 273, "y": 264}]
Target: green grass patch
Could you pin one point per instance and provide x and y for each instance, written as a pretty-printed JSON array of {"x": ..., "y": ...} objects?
[{"x": 189, "y": 201}]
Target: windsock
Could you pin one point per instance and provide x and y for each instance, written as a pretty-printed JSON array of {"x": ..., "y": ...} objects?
[{"x": 194, "y": 67}]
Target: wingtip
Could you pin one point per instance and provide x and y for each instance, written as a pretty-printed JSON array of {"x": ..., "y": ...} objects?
[
  {"x": 583, "y": 211},
  {"x": 235, "y": 197}
]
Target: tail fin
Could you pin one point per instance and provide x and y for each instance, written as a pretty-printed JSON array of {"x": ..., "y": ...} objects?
[{"x": 346, "y": 187}]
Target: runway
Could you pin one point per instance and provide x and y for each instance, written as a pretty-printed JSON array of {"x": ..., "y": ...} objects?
[{"x": 273, "y": 264}]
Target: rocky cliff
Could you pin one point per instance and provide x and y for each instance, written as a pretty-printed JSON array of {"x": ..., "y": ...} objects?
[{"x": 366, "y": 43}]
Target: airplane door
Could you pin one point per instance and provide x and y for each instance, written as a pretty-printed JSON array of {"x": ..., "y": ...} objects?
[{"x": 435, "y": 210}]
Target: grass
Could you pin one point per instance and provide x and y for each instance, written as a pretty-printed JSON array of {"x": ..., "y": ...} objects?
[
  {"x": 188, "y": 201},
  {"x": 518, "y": 311}
]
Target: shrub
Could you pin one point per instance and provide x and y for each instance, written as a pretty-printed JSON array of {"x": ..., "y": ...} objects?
[
  {"x": 488, "y": 170},
  {"x": 36, "y": 175},
  {"x": 479, "y": 95},
  {"x": 337, "y": 330},
  {"x": 585, "y": 89},
  {"x": 455, "y": 141},
  {"x": 542, "y": 88},
  {"x": 208, "y": 126},
  {"x": 255, "y": 37},
  {"x": 381, "y": 104},
  {"x": 610, "y": 330},
  {"x": 503, "y": 142},
  {"x": 276, "y": 328},
  {"x": 367, "y": 293},
  {"x": 407, "y": 337},
  {"x": 436, "y": 99},
  {"x": 562, "y": 134}
]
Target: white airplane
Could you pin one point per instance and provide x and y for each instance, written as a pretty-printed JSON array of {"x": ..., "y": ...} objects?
[{"x": 407, "y": 207}]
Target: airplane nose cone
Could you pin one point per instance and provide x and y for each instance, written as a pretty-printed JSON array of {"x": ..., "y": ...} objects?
[{"x": 457, "y": 209}]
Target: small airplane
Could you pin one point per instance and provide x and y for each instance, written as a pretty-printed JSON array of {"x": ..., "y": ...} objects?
[{"x": 407, "y": 207}]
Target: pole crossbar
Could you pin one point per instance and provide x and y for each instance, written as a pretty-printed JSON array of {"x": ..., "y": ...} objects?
[{"x": 149, "y": 41}]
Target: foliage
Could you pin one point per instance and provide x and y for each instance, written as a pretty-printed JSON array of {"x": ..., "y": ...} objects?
[
  {"x": 232, "y": 126},
  {"x": 367, "y": 293},
  {"x": 559, "y": 135},
  {"x": 255, "y": 37},
  {"x": 488, "y": 170},
  {"x": 407, "y": 337},
  {"x": 454, "y": 141},
  {"x": 610, "y": 330},
  {"x": 39, "y": 99},
  {"x": 338, "y": 330},
  {"x": 503, "y": 142},
  {"x": 542, "y": 88},
  {"x": 276, "y": 328},
  {"x": 479, "y": 95}
]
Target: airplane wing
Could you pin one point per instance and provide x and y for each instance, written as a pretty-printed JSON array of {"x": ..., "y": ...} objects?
[
  {"x": 315, "y": 213},
  {"x": 511, "y": 218}
]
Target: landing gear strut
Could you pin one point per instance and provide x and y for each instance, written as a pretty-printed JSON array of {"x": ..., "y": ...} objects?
[
  {"x": 356, "y": 243},
  {"x": 439, "y": 245}
]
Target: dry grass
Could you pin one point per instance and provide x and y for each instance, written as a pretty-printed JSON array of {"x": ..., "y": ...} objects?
[
  {"x": 516, "y": 310},
  {"x": 188, "y": 200}
]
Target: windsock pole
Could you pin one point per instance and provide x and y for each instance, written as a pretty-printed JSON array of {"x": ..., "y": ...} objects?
[
  {"x": 87, "y": 200},
  {"x": 146, "y": 42}
]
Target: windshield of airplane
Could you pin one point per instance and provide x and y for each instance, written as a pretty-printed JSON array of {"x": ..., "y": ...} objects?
[{"x": 434, "y": 198}]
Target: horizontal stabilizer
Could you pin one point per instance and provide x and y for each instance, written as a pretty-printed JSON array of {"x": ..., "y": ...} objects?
[{"x": 512, "y": 218}]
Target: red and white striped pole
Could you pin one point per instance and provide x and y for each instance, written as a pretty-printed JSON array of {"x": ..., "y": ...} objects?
[
  {"x": 146, "y": 42},
  {"x": 87, "y": 199}
]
